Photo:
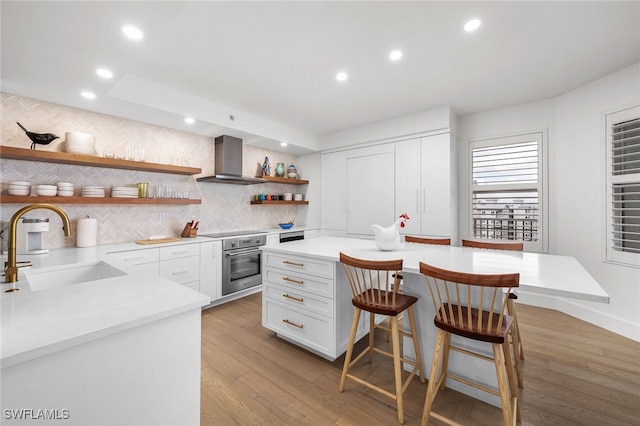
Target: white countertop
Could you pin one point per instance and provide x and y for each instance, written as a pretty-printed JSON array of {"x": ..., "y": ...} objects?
[
  {"x": 43, "y": 322},
  {"x": 539, "y": 273}
]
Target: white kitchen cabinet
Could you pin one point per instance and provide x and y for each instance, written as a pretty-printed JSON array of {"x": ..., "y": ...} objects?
[
  {"x": 357, "y": 190},
  {"x": 306, "y": 301},
  {"x": 333, "y": 191},
  {"x": 370, "y": 186},
  {"x": 143, "y": 260},
  {"x": 425, "y": 185},
  {"x": 211, "y": 269},
  {"x": 179, "y": 263}
]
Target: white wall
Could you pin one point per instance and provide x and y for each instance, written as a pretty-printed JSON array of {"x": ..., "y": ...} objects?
[{"x": 575, "y": 127}]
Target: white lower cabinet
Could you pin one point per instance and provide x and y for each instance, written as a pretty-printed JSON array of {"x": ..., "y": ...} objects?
[
  {"x": 305, "y": 302},
  {"x": 211, "y": 269},
  {"x": 144, "y": 260},
  {"x": 178, "y": 263}
]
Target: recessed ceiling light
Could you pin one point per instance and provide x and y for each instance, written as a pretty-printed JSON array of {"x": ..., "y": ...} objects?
[
  {"x": 132, "y": 32},
  {"x": 283, "y": 144},
  {"x": 104, "y": 73},
  {"x": 341, "y": 76},
  {"x": 189, "y": 120},
  {"x": 395, "y": 55},
  {"x": 472, "y": 25},
  {"x": 88, "y": 95}
]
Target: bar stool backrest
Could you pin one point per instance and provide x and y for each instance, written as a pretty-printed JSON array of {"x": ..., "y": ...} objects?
[
  {"x": 470, "y": 305},
  {"x": 492, "y": 245}
]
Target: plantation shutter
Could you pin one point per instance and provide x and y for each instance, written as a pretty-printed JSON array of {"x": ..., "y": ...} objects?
[
  {"x": 506, "y": 188},
  {"x": 623, "y": 136}
]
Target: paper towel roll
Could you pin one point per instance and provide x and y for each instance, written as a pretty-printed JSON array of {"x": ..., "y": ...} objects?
[{"x": 87, "y": 232}]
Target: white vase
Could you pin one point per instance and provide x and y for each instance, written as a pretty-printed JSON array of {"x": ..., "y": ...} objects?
[{"x": 387, "y": 239}]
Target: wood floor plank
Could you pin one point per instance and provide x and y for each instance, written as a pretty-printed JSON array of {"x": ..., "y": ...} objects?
[{"x": 574, "y": 374}]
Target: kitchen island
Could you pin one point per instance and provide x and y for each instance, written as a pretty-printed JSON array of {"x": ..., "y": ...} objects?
[
  {"x": 121, "y": 348},
  {"x": 306, "y": 299}
]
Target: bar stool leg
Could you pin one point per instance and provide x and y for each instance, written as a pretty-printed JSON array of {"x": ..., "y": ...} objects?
[
  {"x": 372, "y": 328},
  {"x": 349, "y": 354},
  {"x": 432, "y": 387},
  {"x": 397, "y": 367},
  {"x": 503, "y": 387},
  {"x": 416, "y": 342}
]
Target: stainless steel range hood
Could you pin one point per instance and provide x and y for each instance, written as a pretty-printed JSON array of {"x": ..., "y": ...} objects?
[{"x": 228, "y": 163}]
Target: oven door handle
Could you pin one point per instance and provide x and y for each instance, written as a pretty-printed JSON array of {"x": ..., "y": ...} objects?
[{"x": 240, "y": 253}]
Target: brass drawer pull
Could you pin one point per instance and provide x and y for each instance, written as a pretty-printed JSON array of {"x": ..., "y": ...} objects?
[
  {"x": 297, "y": 299},
  {"x": 288, "y": 262},
  {"x": 291, "y": 280},
  {"x": 301, "y": 326}
]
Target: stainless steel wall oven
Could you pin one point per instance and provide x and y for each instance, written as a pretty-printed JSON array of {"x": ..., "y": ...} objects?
[{"x": 241, "y": 263}]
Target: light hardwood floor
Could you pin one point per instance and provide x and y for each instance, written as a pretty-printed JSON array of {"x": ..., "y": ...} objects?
[{"x": 574, "y": 374}]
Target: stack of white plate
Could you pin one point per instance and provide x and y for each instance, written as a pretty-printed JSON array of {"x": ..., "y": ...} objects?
[
  {"x": 124, "y": 192},
  {"x": 65, "y": 189},
  {"x": 19, "y": 187},
  {"x": 93, "y": 191},
  {"x": 46, "y": 190}
]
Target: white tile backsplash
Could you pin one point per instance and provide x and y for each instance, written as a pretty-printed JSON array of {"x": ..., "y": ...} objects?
[{"x": 224, "y": 207}]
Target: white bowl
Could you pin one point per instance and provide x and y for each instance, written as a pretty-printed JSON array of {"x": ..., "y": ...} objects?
[
  {"x": 46, "y": 192},
  {"x": 25, "y": 191},
  {"x": 20, "y": 183},
  {"x": 62, "y": 193},
  {"x": 12, "y": 186},
  {"x": 45, "y": 187},
  {"x": 64, "y": 184}
]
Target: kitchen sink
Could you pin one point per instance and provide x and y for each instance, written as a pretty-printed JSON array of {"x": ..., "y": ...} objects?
[{"x": 59, "y": 276}]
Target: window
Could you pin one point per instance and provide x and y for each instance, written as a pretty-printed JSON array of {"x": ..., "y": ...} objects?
[
  {"x": 507, "y": 189},
  {"x": 623, "y": 186}
]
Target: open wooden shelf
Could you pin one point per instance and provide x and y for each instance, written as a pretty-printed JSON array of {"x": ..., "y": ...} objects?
[
  {"x": 14, "y": 153},
  {"x": 28, "y": 199},
  {"x": 285, "y": 180},
  {"x": 279, "y": 202}
]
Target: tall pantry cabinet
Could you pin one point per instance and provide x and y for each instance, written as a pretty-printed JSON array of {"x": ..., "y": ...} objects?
[
  {"x": 376, "y": 184},
  {"x": 426, "y": 185},
  {"x": 357, "y": 190}
]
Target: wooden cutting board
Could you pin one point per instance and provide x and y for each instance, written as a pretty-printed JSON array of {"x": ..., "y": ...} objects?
[{"x": 159, "y": 241}]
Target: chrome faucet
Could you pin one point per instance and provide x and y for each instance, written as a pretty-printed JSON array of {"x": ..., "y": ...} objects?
[{"x": 11, "y": 266}]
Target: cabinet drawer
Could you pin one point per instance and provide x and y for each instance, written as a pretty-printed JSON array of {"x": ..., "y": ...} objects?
[
  {"x": 294, "y": 280},
  {"x": 298, "y": 299},
  {"x": 307, "y": 265},
  {"x": 137, "y": 257},
  {"x": 176, "y": 252},
  {"x": 182, "y": 270},
  {"x": 310, "y": 330}
]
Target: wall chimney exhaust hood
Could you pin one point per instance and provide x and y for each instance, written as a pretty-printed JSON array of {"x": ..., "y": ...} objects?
[{"x": 228, "y": 163}]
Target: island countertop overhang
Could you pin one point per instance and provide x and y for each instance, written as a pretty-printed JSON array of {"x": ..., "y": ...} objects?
[{"x": 554, "y": 275}]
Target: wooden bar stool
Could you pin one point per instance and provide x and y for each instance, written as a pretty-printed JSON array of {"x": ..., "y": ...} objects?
[
  {"x": 516, "y": 340},
  {"x": 485, "y": 321},
  {"x": 375, "y": 291},
  {"x": 420, "y": 240}
]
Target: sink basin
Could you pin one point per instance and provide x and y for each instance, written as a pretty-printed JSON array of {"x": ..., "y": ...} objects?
[{"x": 59, "y": 276}]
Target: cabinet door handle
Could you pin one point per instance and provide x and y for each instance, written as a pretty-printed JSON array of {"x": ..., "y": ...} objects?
[
  {"x": 288, "y": 262},
  {"x": 424, "y": 201},
  {"x": 184, "y": 271},
  {"x": 300, "y": 326},
  {"x": 130, "y": 259},
  {"x": 291, "y": 280},
  {"x": 180, "y": 252},
  {"x": 297, "y": 299}
]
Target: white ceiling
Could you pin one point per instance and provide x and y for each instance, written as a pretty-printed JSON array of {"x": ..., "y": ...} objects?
[{"x": 272, "y": 65}]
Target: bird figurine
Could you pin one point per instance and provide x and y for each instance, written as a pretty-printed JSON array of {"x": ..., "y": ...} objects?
[
  {"x": 388, "y": 238},
  {"x": 39, "y": 138}
]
